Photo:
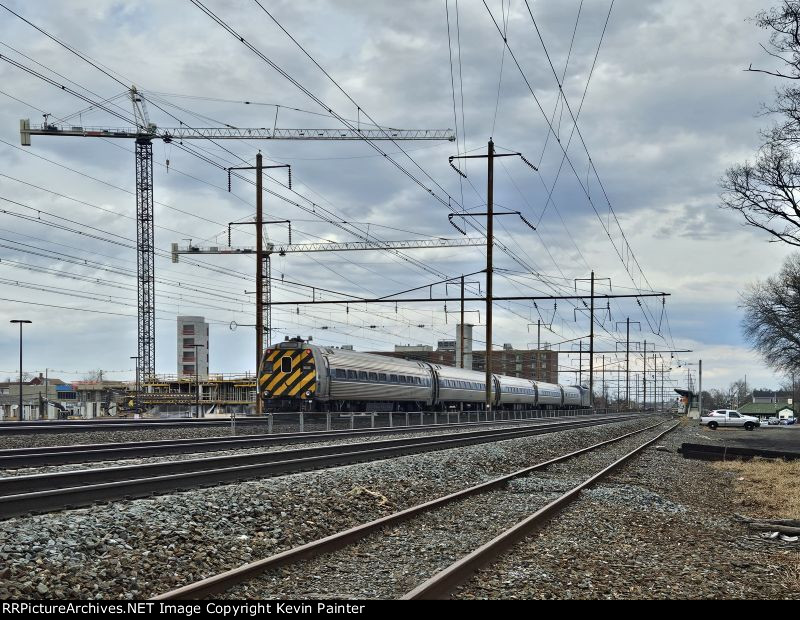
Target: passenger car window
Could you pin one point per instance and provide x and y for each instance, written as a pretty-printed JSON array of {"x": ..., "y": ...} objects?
[
  {"x": 351, "y": 374},
  {"x": 373, "y": 376},
  {"x": 381, "y": 376},
  {"x": 341, "y": 373},
  {"x": 402, "y": 378},
  {"x": 393, "y": 378},
  {"x": 362, "y": 375}
]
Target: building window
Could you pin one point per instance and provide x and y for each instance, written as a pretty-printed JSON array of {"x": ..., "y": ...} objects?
[
  {"x": 188, "y": 342},
  {"x": 188, "y": 330},
  {"x": 188, "y": 356},
  {"x": 188, "y": 369}
]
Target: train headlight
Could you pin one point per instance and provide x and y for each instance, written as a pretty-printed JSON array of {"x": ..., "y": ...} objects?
[{"x": 308, "y": 393}]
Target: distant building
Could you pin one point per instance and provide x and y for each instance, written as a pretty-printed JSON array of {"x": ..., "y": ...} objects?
[
  {"x": 192, "y": 330},
  {"x": 412, "y": 348},
  {"x": 524, "y": 363},
  {"x": 770, "y": 397}
]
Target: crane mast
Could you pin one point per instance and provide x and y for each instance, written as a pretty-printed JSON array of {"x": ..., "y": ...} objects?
[{"x": 143, "y": 134}]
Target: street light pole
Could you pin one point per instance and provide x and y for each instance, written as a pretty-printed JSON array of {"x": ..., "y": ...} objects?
[
  {"x": 20, "y": 321},
  {"x": 197, "y": 378}
]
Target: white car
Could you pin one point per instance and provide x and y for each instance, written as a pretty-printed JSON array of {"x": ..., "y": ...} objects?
[{"x": 729, "y": 417}]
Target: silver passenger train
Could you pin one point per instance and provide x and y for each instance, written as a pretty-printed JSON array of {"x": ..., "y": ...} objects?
[{"x": 296, "y": 375}]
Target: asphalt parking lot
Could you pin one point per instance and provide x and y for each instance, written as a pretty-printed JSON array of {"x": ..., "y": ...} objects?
[{"x": 779, "y": 437}]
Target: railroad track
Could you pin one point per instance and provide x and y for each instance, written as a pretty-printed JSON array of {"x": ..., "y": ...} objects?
[
  {"x": 16, "y": 458},
  {"x": 25, "y": 494},
  {"x": 81, "y": 426},
  {"x": 39, "y": 427},
  {"x": 443, "y": 582}
]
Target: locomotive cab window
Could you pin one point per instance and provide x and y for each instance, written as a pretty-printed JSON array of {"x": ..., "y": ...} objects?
[
  {"x": 286, "y": 364},
  {"x": 268, "y": 366}
]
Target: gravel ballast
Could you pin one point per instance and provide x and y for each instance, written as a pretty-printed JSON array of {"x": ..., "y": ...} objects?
[
  {"x": 392, "y": 562},
  {"x": 661, "y": 527},
  {"x": 144, "y": 547},
  {"x": 294, "y": 445}
]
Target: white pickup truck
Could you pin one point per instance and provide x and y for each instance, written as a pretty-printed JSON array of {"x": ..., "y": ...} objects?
[{"x": 728, "y": 417}]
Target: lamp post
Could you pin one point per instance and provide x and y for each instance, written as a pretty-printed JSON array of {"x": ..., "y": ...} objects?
[
  {"x": 136, "y": 394},
  {"x": 20, "y": 321},
  {"x": 197, "y": 377}
]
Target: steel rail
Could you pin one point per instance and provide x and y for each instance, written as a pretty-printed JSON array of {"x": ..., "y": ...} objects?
[
  {"x": 47, "y": 492},
  {"x": 62, "y": 426},
  {"x": 87, "y": 453},
  {"x": 67, "y": 479},
  {"x": 444, "y": 582},
  {"x": 224, "y": 581},
  {"x": 26, "y": 428}
]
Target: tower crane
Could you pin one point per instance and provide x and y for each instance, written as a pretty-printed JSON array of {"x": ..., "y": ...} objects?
[
  {"x": 144, "y": 133},
  {"x": 347, "y": 246}
]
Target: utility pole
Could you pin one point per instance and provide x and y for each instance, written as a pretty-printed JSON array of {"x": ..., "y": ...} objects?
[
  {"x": 259, "y": 278},
  {"x": 197, "y": 377},
  {"x": 591, "y": 346},
  {"x": 644, "y": 379},
  {"x": 700, "y": 387},
  {"x": 628, "y": 362},
  {"x": 21, "y": 323},
  {"x": 489, "y": 266},
  {"x": 461, "y": 328},
  {"x": 591, "y": 330},
  {"x": 490, "y": 214},
  {"x": 263, "y": 288},
  {"x": 655, "y": 383},
  {"x": 603, "y": 383}
]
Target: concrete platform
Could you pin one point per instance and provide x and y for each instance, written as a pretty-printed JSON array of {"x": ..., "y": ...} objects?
[{"x": 767, "y": 441}]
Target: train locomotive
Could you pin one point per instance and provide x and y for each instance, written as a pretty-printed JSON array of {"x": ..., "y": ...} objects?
[{"x": 296, "y": 375}]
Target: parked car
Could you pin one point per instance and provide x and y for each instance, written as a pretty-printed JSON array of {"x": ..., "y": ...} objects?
[
  {"x": 787, "y": 421},
  {"x": 773, "y": 421},
  {"x": 729, "y": 417}
]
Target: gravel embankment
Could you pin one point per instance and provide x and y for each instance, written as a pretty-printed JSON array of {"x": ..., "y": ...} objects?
[
  {"x": 392, "y": 562},
  {"x": 662, "y": 527},
  {"x": 140, "y": 548}
]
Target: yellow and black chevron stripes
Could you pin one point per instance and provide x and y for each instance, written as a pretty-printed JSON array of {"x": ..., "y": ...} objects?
[{"x": 295, "y": 383}]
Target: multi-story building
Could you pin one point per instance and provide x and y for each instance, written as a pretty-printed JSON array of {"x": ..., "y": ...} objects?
[
  {"x": 525, "y": 363},
  {"x": 192, "y": 360}
]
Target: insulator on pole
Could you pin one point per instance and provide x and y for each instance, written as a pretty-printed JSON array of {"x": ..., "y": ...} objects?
[
  {"x": 522, "y": 157},
  {"x": 456, "y": 169}
]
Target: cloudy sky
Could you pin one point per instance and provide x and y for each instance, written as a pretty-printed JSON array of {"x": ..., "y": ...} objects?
[{"x": 667, "y": 109}]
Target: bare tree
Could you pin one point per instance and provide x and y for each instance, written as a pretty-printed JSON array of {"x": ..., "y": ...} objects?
[
  {"x": 765, "y": 192},
  {"x": 772, "y": 317}
]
